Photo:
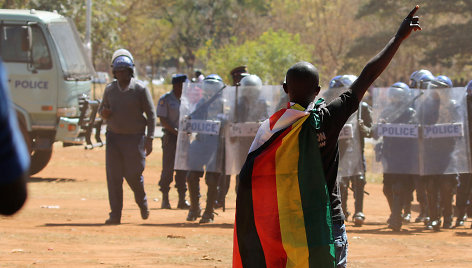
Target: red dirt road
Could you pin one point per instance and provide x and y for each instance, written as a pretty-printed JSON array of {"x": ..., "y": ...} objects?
[{"x": 61, "y": 225}]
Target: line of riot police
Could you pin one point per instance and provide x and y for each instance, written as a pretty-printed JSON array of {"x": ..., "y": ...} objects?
[
  {"x": 421, "y": 139},
  {"x": 419, "y": 132}
]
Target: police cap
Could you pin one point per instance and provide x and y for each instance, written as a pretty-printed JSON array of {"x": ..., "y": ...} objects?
[
  {"x": 240, "y": 69},
  {"x": 179, "y": 78}
]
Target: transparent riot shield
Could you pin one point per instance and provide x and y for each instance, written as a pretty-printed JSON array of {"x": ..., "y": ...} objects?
[
  {"x": 350, "y": 150},
  {"x": 395, "y": 131},
  {"x": 442, "y": 114},
  {"x": 200, "y": 142},
  {"x": 247, "y": 107}
]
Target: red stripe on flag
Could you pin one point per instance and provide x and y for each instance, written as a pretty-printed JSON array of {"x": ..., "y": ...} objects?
[
  {"x": 266, "y": 211},
  {"x": 275, "y": 117}
]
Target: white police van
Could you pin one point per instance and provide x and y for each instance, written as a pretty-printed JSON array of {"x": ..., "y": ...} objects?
[{"x": 49, "y": 79}]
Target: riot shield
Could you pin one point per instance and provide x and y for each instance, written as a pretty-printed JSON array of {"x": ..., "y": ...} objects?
[
  {"x": 395, "y": 131},
  {"x": 200, "y": 143},
  {"x": 350, "y": 150},
  {"x": 246, "y": 108},
  {"x": 442, "y": 114}
]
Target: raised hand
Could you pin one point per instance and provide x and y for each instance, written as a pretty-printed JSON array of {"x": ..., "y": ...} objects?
[{"x": 410, "y": 23}]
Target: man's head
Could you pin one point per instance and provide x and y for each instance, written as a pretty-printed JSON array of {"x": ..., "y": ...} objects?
[
  {"x": 302, "y": 83},
  {"x": 398, "y": 93},
  {"x": 238, "y": 73},
  {"x": 177, "y": 83},
  {"x": 251, "y": 87},
  {"x": 123, "y": 68},
  {"x": 417, "y": 77},
  {"x": 443, "y": 81},
  {"x": 211, "y": 84}
]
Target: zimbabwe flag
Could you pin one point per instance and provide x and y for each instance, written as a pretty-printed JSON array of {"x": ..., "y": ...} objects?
[{"x": 283, "y": 216}]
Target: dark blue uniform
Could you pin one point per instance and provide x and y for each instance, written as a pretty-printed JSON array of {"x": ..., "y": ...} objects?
[{"x": 14, "y": 157}]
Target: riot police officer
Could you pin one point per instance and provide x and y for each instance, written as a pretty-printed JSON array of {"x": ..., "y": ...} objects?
[
  {"x": 421, "y": 80},
  {"x": 440, "y": 186},
  {"x": 464, "y": 189},
  {"x": 125, "y": 101},
  {"x": 168, "y": 112},
  {"x": 398, "y": 154},
  {"x": 206, "y": 151},
  {"x": 237, "y": 74},
  {"x": 364, "y": 124}
]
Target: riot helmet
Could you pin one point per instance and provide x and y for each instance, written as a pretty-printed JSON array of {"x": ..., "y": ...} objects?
[
  {"x": 415, "y": 77},
  {"x": 469, "y": 88},
  {"x": 121, "y": 52},
  {"x": 251, "y": 86},
  {"x": 443, "y": 81},
  {"x": 398, "y": 92},
  {"x": 122, "y": 60},
  {"x": 342, "y": 81},
  {"x": 123, "y": 63},
  {"x": 338, "y": 82},
  {"x": 211, "y": 84}
]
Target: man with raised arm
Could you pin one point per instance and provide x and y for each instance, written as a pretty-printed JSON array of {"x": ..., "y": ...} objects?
[{"x": 288, "y": 208}]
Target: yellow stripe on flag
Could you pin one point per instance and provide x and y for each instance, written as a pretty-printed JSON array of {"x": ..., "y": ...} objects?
[{"x": 292, "y": 223}]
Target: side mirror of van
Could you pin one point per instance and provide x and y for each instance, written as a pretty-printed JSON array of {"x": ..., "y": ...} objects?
[{"x": 26, "y": 38}]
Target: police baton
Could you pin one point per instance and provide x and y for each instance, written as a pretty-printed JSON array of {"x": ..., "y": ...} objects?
[{"x": 208, "y": 102}]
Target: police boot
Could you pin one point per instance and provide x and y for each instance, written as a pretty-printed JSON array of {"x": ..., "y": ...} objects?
[
  {"x": 407, "y": 213},
  {"x": 208, "y": 215},
  {"x": 359, "y": 216},
  {"x": 460, "y": 217},
  {"x": 422, "y": 217},
  {"x": 183, "y": 204},
  {"x": 165, "y": 201},
  {"x": 193, "y": 191}
]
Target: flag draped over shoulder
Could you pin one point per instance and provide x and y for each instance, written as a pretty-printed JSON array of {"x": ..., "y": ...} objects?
[{"x": 283, "y": 216}]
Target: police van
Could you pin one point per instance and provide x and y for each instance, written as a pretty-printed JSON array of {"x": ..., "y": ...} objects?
[{"x": 49, "y": 78}]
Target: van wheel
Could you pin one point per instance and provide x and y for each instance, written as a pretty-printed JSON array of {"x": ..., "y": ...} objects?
[{"x": 39, "y": 160}]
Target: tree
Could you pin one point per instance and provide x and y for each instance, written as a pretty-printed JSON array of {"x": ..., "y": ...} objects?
[
  {"x": 442, "y": 46},
  {"x": 268, "y": 56}
]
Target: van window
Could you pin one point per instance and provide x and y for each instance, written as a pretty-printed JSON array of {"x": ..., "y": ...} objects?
[{"x": 10, "y": 47}]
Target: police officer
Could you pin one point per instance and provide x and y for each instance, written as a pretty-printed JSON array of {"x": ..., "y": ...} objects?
[
  {"x": 206, "y": 151},
  {"x": 125, "y": 101},
  {"x": 237, "y": 74},
  {"x": 168, "y": 113},
  {"x": 464, "y": 189},
  {"x": 364, "y": 120},
  {"x": 421, "y": 80},
  {"x": 398, "y": 155},
  {"x": 440, "y": 187}
]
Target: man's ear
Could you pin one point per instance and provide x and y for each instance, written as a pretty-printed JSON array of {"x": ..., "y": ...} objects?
[
  {"x": 284, "y": 85},
  {"x": 317, "y": 90}
]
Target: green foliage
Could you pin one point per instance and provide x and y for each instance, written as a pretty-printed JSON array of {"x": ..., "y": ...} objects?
[{"x": 268, "y": 56}]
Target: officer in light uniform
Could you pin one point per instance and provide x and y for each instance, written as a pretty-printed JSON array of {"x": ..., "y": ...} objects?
[{"x": 168, "y": 112}]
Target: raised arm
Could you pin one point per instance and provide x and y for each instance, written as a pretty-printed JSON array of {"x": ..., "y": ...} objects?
[{"x": 378, "y": 63}]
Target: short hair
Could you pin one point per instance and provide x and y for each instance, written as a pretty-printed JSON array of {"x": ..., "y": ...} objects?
[{"x": 303, "y": 72}]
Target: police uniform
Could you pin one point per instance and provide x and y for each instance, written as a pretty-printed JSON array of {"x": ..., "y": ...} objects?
[
  {"x": 125, "y": 149},
  {"x": 168, "y": 107}
]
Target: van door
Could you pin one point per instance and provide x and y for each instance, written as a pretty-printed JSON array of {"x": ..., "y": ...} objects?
[{"x": 32, "y": 75}]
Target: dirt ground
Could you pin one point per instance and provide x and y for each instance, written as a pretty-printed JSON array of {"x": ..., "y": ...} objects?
[{"x": 61, "y": 225}]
